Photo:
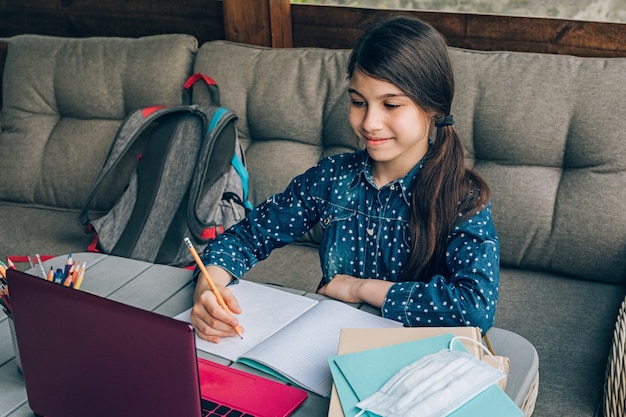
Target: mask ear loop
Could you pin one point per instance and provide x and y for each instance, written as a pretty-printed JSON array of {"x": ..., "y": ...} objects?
[{"x": 469, "y": 339}]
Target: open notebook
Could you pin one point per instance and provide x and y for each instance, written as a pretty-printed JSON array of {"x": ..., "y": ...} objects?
[
  {"x": 84, "y": 355},
  {"x": 288, "y": 335}
]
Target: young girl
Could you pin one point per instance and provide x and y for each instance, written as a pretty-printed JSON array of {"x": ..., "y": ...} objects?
[{"x": 407, "y": 224}]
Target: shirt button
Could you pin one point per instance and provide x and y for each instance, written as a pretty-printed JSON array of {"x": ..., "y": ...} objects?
[{"x": 326, "y": 221}]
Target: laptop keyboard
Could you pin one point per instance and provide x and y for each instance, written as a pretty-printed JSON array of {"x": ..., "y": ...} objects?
[{"x": 210, "y": 408}]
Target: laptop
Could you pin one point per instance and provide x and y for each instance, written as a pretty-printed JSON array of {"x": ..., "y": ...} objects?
[{"x": 84, "y": 355}]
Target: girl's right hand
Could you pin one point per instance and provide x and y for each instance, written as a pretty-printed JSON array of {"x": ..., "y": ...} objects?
[{"x": 209, "y": 319}]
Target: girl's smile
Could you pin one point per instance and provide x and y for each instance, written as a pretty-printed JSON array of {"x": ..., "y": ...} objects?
[{"x": 372, "y": 141}]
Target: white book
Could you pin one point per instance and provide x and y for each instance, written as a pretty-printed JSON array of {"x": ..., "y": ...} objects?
[{"x": 288, "y": 335}]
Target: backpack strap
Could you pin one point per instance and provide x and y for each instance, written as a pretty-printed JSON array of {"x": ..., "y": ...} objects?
[
  {"x": 214, "y": 160},
  {"x": 214, "y": 91},
  {"x": 238, "y": 163}
]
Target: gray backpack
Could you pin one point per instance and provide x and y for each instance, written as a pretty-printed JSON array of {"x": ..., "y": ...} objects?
[{"x": 191, "y": 180}]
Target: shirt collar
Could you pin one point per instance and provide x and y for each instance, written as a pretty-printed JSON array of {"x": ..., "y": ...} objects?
[{"x": 364, "y": 170}]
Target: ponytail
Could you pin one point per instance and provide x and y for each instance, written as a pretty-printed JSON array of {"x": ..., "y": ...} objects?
[{"x": 446, "y": 192}]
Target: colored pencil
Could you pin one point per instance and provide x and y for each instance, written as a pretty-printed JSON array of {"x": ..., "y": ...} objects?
[{"x": 81, "y": 275}]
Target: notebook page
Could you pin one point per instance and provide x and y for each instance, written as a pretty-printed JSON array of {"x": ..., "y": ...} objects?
[
  {"x": 301, "y": 350},
  {"x": 265, "y": 310}
]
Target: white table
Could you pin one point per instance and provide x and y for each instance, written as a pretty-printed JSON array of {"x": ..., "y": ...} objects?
[{"x": 167, "y": 290}]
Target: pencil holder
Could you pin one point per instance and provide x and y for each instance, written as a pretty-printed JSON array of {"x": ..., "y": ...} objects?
[{"x": 15, "y": 348}]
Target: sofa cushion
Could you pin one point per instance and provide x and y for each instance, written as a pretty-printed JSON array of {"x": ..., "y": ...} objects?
[
  {"x": 28, "y": 229},
  {"x": 64, "y": 99},
  {"x": 547, "y": 133},
  {"x": 570, "y": 323}
]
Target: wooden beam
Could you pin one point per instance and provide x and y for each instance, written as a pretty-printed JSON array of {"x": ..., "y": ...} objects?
[
  {"x": 247, "y": 21},
  {"x": 258, "y": 22},
  {"x": 280, "y": 23},
  {"x": 340, "y": 26}
]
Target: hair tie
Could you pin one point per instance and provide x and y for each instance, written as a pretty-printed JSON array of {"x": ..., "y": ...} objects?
[{"x": 446, "y": 121}]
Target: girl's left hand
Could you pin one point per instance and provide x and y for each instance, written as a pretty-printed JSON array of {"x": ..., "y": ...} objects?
[{"x": 356, "y": 290}]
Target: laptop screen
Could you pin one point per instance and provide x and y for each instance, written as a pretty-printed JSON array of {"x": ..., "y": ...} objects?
[{"x": 83, "y": 355}]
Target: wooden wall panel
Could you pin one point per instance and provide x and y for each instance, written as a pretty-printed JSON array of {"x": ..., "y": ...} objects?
[
  {"x": 339, "y": 27},
  {"x": 258, "y": 22},
  {"x": 276, "y": 23},
  {"x": 201, "y": 18},
  {"x": 280, "y": 23},
  {"x": 247, "y": 21}
]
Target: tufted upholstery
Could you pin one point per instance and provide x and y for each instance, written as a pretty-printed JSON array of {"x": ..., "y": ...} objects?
[
  {"x": 547, "y": 134},
  {"x": 64, "y": 100}
]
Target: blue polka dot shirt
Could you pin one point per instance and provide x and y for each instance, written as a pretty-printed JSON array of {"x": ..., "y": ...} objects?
[{"x": 365, "y": 235}]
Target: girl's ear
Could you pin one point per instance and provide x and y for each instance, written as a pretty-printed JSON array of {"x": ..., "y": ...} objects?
[
  {"x": 431, "y": 116},
  {"x": 432, "y": 130}
]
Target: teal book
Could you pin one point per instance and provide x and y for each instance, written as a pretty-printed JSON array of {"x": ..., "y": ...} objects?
[{"x": 355, "y": 382}]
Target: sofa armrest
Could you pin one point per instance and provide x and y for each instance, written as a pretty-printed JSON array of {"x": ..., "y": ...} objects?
[{"x": 614, "y": 389}]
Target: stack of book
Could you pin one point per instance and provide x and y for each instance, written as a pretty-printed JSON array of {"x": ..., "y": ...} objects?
[{"x": 387, "y": 351}]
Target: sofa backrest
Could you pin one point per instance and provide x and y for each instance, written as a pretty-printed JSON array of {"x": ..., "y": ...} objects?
[
  {"x": 546, "y": 131},
  {"x": 63, "y": 101}
]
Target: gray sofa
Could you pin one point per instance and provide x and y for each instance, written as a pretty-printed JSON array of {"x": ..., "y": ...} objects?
[{"x": 546, "y": 131}]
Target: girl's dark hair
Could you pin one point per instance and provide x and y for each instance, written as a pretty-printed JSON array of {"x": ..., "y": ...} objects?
[{"x": 413, "y": 56}]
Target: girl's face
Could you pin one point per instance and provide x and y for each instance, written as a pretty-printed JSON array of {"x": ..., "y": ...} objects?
[{"x": 393, "y": 128}]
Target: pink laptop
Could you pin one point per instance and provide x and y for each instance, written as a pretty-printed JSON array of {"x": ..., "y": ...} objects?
[{"x": 84, "y": 355}]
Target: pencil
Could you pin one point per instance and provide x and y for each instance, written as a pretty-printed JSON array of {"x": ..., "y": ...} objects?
[
  {"x": 43, "y": 271},
  {"x": 6, "y": 305},
  {"x": 69, "y": 275},
  {"x": 218, "y": 296},
  {"x": 80, "y": 276},
  {"x": 68, "y": 281},
  {"x": 10, "y": 264},
  {"x": 76, "y": 272},
  {"x": 68, "y": 265},
  {"x": 6, "y": 300},
  {"x": 50, "y": 276}
]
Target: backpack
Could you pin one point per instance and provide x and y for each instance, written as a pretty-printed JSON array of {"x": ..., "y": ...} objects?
[{"x": 190, "y": 181}]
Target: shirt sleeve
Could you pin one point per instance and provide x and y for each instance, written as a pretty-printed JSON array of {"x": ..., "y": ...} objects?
[
  {"x": 279, "y": 220},
  {"x": 467, "y": 297}
]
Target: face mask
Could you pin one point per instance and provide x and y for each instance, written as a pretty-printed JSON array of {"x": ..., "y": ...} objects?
[{"x": 433, "y": 386}]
